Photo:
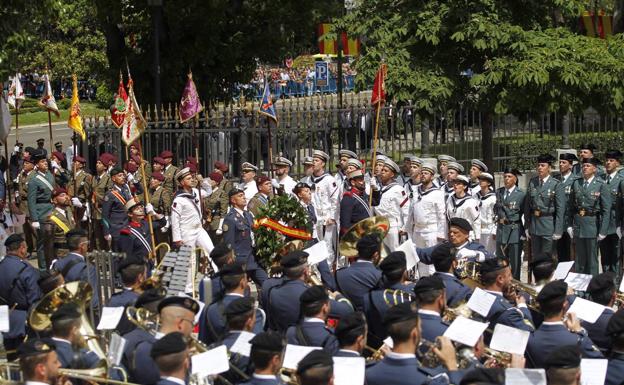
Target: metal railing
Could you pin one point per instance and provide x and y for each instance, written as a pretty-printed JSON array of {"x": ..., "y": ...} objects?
[{"x": 237, "y": 133}]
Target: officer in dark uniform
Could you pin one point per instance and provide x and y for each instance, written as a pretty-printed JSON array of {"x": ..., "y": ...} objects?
[
  {"x": 221, "y": 255},
  {"x": 615, "y": 330},
  {"x": 133, "y": 272},
  {"x": 212, "y": 325},
  {"x": 602, "y": 290},
  {"x": 280, "y": 297},
  {"x": 354, "y": 203},
  {"x": 135, "y": 239},
  {"x": 238, "y": 233},
  {"x": 555, "y": 331},
  {"x": 73, "y": 266},
  {"x": 563, "y": 365},
  {"x": 356, "y": 280},
  {"x": 394, "y": 272},
  {"x": 445, "y": 264},
  {"x": 66, "y": 335},
  {"x": 610, "y": 246},
  {"x": 316, "y": 368},
  {"x": 40, "y": 187},
  {"x": 431, "y": 300},
  {"x": 351, "y": 335},
  {"x": 171, "y": 355},
  {"x": 39, "y": 353},
  {"x": 586, "y": 151},
  {"x": 311, "y": 329},
  {"x": 590, "y": 205},
  {"x": 508, "y": 211},
  {"x": 18, "y": 288},
  {"x": 175, "y": 314},
  {"x": 114, "y": 214},
  {"x": 496, "y": 279},
  {"x": 240, "y": 316},
  {"x": 267, "y": 352},
  {"x": 566, "y": 177},
  {"x": 545, "y": 208}
]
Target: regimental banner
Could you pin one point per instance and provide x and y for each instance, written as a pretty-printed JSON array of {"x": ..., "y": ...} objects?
[
  {"x": 350, "y": 47},
  {"x": 597, "y": 26}
]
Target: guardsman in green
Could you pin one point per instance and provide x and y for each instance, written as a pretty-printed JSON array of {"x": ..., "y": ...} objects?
[
  {"x": 57, "y": 224},
  {"x": 590, "y": 202},
  {"x": 262, "y": 197},
  {"x": 102, "y": 182},
  {"x": 80, "y": 188},
  {"x": 216, "y": 205},
  {"x": 545, "y": 208},
  {"x": 222, "y": 168},
  {"x": 23, "y": 178},
  {"x": 161, "y": 201},
  {"x": 566, "y": 177},
  {"x": 40, "y": 189},
  {"x": 610, "y": 246},
  {"x": 169, "y": 171},
  {"x": 586, "y": 151},
  {"x": 508, "y": 211}
]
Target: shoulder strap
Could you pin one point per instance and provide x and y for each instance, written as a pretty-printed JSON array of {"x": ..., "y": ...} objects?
[
  {"x": 69, "y": 266},
  {"x": 301, "y": 337}
]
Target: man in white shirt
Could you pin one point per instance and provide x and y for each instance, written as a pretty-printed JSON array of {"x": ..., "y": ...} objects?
[
  {"x": 393, "y": 203},
  {"x": 325, "y": 201},
  {"x": 248, "y": 180},
  {"x": 282, "y": 169}
]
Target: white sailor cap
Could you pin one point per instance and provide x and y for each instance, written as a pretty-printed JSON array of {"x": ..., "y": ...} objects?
[
  {"x": 308, "y": 161},
  {"x": 389, "y": 163},
  {"x": 246, "y": 166},
  {"x": 281, "y": 161},
  {"x": 455, "y": 166},
  {"x": 427, "y": 166},
  {"x": 321, "y": 155},
  {"x": 486, "y": 176},
  {"x": 446, "y": 158},
  {"x": 479, "y": 164},
  {"x": 463, "y": 179},
  {"x": 348, "y": 153},
  {"x": 355, "y": 163}
]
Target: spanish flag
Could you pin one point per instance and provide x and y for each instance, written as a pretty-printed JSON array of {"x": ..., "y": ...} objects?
[
  {"x": 75, "y": 120},
  {"x": 350, "y": 47}
]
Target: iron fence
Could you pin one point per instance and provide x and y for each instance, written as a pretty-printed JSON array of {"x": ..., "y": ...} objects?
[{"x": 237, "y": 133}]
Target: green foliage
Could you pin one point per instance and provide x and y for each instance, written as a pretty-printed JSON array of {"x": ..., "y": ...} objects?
[
  {"x": 286, "y": 210},
  {"x": 103, "y": 96},
  {"x": 525, "y": 56}
]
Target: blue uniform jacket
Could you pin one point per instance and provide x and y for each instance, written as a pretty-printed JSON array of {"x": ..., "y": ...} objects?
[
  {"x": 346, "y": 353},
  {"x": 164, "y": 381},
  {"x": 407, "y": 371},
  {"x": 354, "y": 208},
  {"x": 114, "y": 214},
  {"x": 144, "y": 370},
  {"x": 356, "y": 280},
  {"x": 135, "y": 239},
  {"x": 424, "y": 253},
  {"x": 456, "y": 291},
  {"x": 125, "y": 298},
  {"x": 504, "y": 313},
  {"x": 615, "y": 370},
  {"x": 133, "y": 339},
  {"x": 69, "y": 358},
  {"x": 597, "y": 331},
  {"x": 431, "y": 326},
  {"x": 212, "y": 325},
  {"x": 74, "y": 268},
  {"x": 549, "y": 337},
  {"x": 315, "y": 333},
  {"x": 237, "y": 230},
  {"x": 263, "y": 381},
  {"x": 19, "y": 289},
  {"x": 282, "y": 303}
]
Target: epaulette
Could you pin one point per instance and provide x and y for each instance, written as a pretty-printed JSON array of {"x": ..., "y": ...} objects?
[
  {"x": 125, "y": 231},
  {"x": 347, "y": 194}
]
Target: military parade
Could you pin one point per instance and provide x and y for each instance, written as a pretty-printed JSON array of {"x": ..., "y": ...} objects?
[{"x": 435, "y": 198}]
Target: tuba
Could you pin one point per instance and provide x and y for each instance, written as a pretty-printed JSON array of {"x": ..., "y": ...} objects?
[
  {"x": 374, "y": 225},
  {"x": 144, "y": 319}
]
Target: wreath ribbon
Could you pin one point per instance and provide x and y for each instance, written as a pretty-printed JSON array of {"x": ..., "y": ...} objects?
[{"x": 288, "y": 231}]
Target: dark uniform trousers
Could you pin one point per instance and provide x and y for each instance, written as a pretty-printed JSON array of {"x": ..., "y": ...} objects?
[
  {"x": 564, "y": 245},
  {"x": 237, "y": 232},
  {"x": 509, "y": 209},
  {"x": 615, "y": 370},
  {"x": 313, "y": 333},
  {"x": 551, "y": 336}
]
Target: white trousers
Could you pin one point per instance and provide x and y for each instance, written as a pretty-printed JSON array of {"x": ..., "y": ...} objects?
[
  {"x": 197, "y": 238},
  {"x": 329, "y": 236},
  {"x": 489, "y": 242},
  {"x": 425, "y": 240},
  {"x": 392, "y": 238}
]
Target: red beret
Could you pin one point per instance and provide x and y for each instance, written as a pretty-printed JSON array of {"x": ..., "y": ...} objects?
[
  {"x": 158, "y": 176},
  {"x": 192, "y": 167},
  {"x": 136, "y": 159},
  {"x": 135, "y": 144},
  {"x": 58, "y": 191},
  {"x": 131, "y": 167},
  {"x": 262, "y": 179},
  {"x": 159, "y": 160},
  {"x": 80, "y": 159},
  {"x": 58, "y": 155},
  {"x": 106, "y": 158},
  {"x": 221, "y": 166},
  {"x": 190, "y": 159},
  {"x": 166, "y": 154},
  {"x": 28, "y": 159},
  {"x": 215, "y": 176}
]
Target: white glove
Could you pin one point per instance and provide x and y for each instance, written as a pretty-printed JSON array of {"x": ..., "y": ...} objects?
[
  {"x": 556, "y": 237},
  {"x": 108, "y": 237},
  {"x": 16, "y": 149},
  {"x": 570, "y": 232},
  {"x": 164, "y": 229},
  {"x": 526, "y": 234},
  {"x": 35, "y": 225},
  {"x": 149, "y": 208},
  {"x": 275, "y": 184},
  {"x": 373, "y": 183},
  {"x": 54, "y": 164},
  {"x": 601, "y": 237},
  {"x": 618, "y": 231},
  {"x": 130, "y": 178},
  {"x": 76, "y": 202}
]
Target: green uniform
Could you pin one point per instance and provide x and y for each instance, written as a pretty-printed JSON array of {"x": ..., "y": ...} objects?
[
  {"x": 216, "y": 205},
  {"x": 170, "y": 182},
  {"x": 40, "y": 189},
  {"x": 589, "y": 208},
  {"x": 161, "y": 200},
  {"x": 29, "y": 234},
  {"x": 610, "y": 246},
  {"x": 544, "y": 213},
  {"x": 100, "y": 185},
  {"x": 508, "y": 210},
  {"x": 56, "y": 225},
  {"x": 257, "y": 201},
  {"x": 564, "y": 245},
  {"x": 81, "y": 187}
]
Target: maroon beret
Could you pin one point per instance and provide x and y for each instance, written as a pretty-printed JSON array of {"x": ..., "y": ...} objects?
[
  {"x": 191, "y": 159},
  {"x": 221, "y": 166},
  {"x": 159, "y": 160},
  {"x": 166, "y": 154},
  {"x": 58, "y": 155},
  {"x": 80, "y": 159},
  {"x": 131, "y": 167},
  {"x": 58, "y": 191},
  {"x": 216, "y": 177},
  {"x": 105, "y": 158},
  {"x": 262, "y": 179},
  {"x": 158, "y": 176}
]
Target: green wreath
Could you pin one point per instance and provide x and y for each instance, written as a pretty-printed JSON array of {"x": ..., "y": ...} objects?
[{"x": 286, "y": 210}]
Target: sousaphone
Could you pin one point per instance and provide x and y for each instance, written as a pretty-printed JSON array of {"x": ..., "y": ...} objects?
[{"x": 374, "y": 225}]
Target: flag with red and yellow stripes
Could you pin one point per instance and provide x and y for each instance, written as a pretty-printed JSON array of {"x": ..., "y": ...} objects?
[{"x": 329, "y": 46}]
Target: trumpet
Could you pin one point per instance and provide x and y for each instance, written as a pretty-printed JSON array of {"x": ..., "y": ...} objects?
[
  {"x": 619, "y": 300},
  {"x": 95, "y": 375},
  {"x": 464, "y": 354},
  {"x": 377, "y": 354},
  {"x": 144, "y": 319},
  {"x": 519, "y": 286},
  {"x": 450, "y": 313},
  {"x": 497, "y": 359},
  {"x": 288, "y": 376}
]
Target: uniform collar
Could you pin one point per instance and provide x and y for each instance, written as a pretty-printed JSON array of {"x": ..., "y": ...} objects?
[
  {"x": 313, "y": 320},
  {"x": 264, "y": 376},
  {"x": 588, "y": 181},
  {"x": 134, "y": 224},
  {"x": 428, "y": 312},
  {"x": 174, "y": 379},
  {"x": 400, "y": 356}
]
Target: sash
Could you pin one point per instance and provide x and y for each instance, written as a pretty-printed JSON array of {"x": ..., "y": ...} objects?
[
  {"x": 118, "y": 195},
  {"x": 59, "y": 223},
  {"x": 141, "y": 238},
  {"x": 45, "y": 181},
  {"x": 364, "y": 204}
]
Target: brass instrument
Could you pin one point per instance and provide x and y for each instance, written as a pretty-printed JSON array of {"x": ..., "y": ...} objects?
[
  {"x": 288, "y": 376},
  {"x": 199, "y": 347},
  {"x": 497, "y": 359},
  {"x": 158, "y": 246},
  {"x": 378, "y": 354},
  {"x": 97, "y": 374},
  {"x": 396, "y": 297},
  {"x": 348, "y": 243},
  {"x": 619, "y": 300},
  {"x": 450, "y": 313},
  {"x": 519, "y": 286},
  {"x": 464, "y": 355},
  {"x": 143, "y": 318}
]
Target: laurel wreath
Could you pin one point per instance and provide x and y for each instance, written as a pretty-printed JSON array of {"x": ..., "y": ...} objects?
[{"x": 287, "y": 210}]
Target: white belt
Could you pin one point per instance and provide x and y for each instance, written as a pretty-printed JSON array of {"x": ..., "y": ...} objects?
[{"x": 191, "y": 226}]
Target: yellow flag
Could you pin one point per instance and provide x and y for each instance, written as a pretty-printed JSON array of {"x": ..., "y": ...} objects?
[{"x": 75, "y": 120}]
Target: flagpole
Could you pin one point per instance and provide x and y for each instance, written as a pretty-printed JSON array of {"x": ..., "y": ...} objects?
[
  {"x": 9, "y": 181},
  {"x": 147, "y": 199},
  {"x": 75, "y": 139},
  {"x": 50, "y": 130},
  {"x": 375, "y": 136},
  {"x": 199, "y": 187},
  {"x": 16, "y": 122}
]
